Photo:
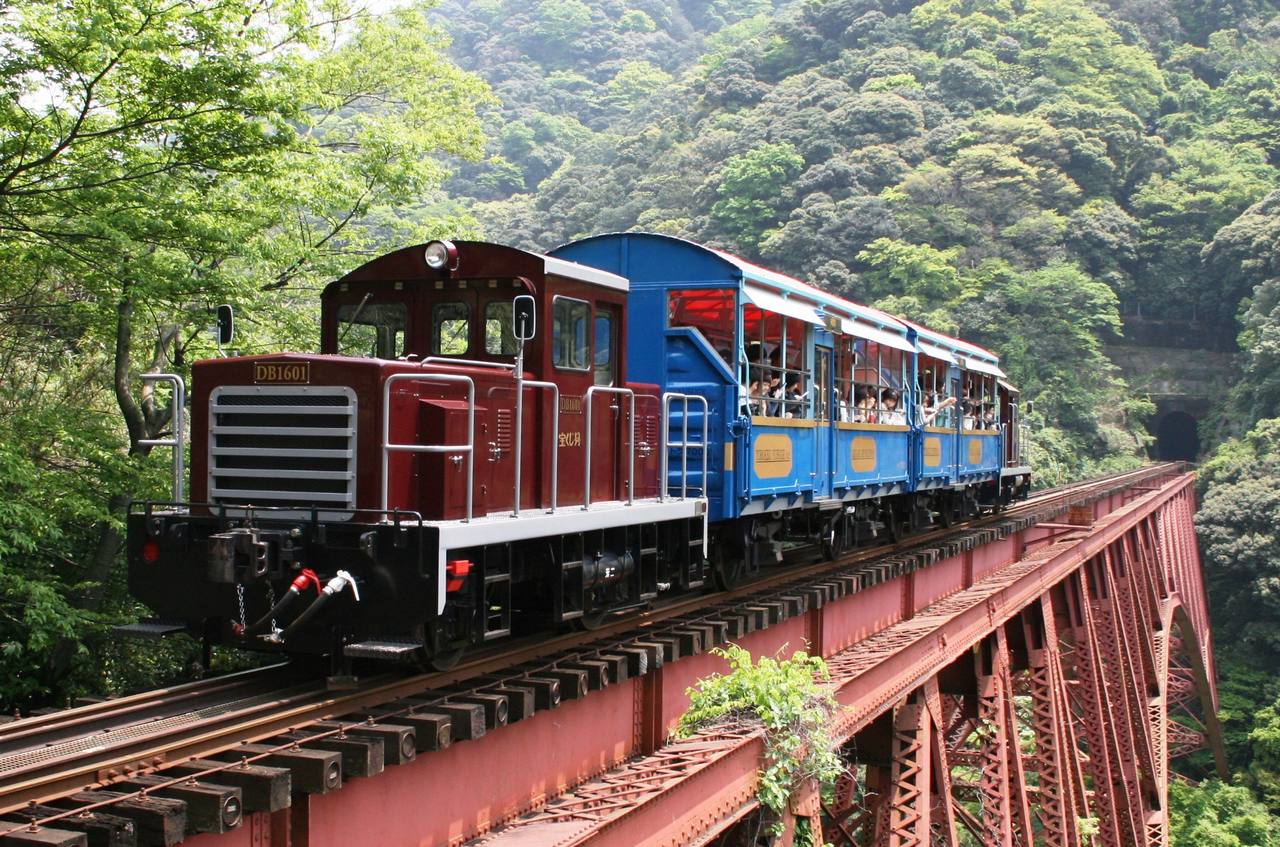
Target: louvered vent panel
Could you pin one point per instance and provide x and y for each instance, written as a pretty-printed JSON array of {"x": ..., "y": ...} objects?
[{"x": 291, "y": 446}]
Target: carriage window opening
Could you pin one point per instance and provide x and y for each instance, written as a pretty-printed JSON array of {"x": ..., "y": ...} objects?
[
  {"x": 778, "y": 380},
  {"x": 821, "y": 379},
  {"x": 937, "y": 406},
  {"x": 711, "y": 312},
  {"x": 844, "y": 399},
  {"x": 605, "y": 342},
  {"x": 879, "y": 381},
  {"x": 570, "y": 348},
  {"x": 450, "y": 329},
  {"x": 498, "y": 340},
  {"x": 372, "y": 329},
  {"x": 979, "y": 408}
]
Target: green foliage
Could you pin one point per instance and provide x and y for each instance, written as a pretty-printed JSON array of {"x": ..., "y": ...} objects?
[
  {"x": 1213, "y": 814},
  {"x": 1238, "y": 522},
  {"x": 911, "y": 270},
  {"x": 790, "y": 698},
  {"x": 156, "y": 161},
  {"x": 751, "y": 189}
]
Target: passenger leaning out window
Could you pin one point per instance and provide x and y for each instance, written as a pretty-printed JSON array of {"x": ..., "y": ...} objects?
[{"x": 892, "y": 414}]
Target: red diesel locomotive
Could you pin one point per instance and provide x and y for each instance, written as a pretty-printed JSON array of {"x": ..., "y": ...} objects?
[{"x": 464, "y": 459}]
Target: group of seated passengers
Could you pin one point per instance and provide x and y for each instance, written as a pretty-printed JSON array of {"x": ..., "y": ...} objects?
[
  {"x": 767, "y": 397},
  {"x": 973, "y": 415},
  {"x": 864, "y": 408}
]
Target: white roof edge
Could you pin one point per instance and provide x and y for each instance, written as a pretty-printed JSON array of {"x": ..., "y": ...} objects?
[{"x": 585, "y": 273}]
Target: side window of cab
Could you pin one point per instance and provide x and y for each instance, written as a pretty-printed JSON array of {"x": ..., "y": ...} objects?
[{"x": 570, "y": 344}]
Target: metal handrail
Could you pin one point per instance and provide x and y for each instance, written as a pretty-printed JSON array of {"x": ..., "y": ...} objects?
[
  {"x": 555, "y": 443},
  {"x": 631, "y": 446},
  {"x": 683, "y": 444},
  {"x": 177, "y": 442},
  {"x": 453, "y": 360},
  {"x": 388, "y": 447}
]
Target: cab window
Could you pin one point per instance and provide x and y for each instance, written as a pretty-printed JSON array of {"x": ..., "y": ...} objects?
[
  {"x": 498, "y": 340},
  {"x": 372, "y": 329},
  {"x": 570, "y": 349},
  {"x": 604, "y": 348},
  {"x": 450, "y": 329}
]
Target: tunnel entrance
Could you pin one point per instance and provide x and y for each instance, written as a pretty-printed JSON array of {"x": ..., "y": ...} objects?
[{"x": 1176, "y": 437}]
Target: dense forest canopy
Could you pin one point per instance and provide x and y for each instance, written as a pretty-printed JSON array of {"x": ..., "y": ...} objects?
[{"x": 1036, "y": 175}]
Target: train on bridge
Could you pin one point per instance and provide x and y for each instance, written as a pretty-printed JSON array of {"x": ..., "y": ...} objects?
[{"x": 492, "y": 442}]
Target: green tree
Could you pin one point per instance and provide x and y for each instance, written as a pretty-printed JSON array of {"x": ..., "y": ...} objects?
[
  {"x": 158, "y": 160},
  {"x": 1237, "y": 524},
  {"x": 914, "y": 270},
  {"x": 1216, "y": 815},
  {"x": 792, "y": 699},
  {"x": 751, "y": 189}
]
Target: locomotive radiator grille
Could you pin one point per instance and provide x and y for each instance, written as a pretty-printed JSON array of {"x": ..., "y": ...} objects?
[{"x": 291, "y": 446}]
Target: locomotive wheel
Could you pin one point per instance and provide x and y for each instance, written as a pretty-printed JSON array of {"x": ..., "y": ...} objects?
[
  {"x": 592, "y": 620},
  {"x": 446, "y": 660},
  {"x": 728, "y": 571}
]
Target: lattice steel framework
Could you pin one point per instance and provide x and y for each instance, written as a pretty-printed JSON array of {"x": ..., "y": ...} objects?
[{"x": 1059, "y": 725}]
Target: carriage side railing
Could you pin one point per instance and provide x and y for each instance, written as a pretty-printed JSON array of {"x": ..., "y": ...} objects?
[
  {"x": 468, "y": 449},
  {"x": 684, "y": 445}
]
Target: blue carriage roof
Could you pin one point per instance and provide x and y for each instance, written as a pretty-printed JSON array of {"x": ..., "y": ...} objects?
[{"x": 647, "y": 259}]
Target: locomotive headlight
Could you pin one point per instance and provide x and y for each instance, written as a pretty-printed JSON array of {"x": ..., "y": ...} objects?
[{"x": 441, "y": 255}]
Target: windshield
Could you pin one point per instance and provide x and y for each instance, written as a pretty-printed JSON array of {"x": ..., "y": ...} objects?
[{"x": 372, "y": 330}]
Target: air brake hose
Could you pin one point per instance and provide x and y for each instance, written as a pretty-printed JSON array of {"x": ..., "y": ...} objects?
[
  {"x": 340, "y": 581},
  {"x": 299, "y": 584}
]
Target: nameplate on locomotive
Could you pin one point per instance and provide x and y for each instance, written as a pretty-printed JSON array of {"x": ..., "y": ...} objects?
[
  {"x": 570, "y": 405},
  {"x": 282, "y": 373}
]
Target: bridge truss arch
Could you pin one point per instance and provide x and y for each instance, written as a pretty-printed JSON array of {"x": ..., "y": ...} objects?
[{"x": 1058, "y": 726}]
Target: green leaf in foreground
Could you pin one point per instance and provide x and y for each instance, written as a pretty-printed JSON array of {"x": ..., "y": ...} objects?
[{"x": 792, "y": 698}]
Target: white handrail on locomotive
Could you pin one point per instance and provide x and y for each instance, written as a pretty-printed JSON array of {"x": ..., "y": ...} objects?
[
  {"x": 388, "y": 447},
  {"x": 631, "y": 445},
  {"x": 555, "y": 436},
  {"x": 684, "y": 445},
  {"x": 477, "y": 363},
  {"x": 177, "y": 443}
]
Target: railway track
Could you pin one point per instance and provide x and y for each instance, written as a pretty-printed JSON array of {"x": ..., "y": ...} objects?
[{"x": 195, "y": 757}]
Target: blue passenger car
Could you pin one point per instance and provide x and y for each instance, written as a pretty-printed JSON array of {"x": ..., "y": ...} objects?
[{"x": 825, "y": 416}]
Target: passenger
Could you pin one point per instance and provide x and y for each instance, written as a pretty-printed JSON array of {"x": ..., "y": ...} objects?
[
  {"x": 892, "y": 414},
  {"x": 864, "y": 405},
  {"x": 933, "y": 409},
  {"x": 755, "y": 394},
  {"x": 773, "y": 392},
  {"x": 795, "y": 399},
  {"x": 969, "y": 410},
  {"x": 988, "y": 416}
]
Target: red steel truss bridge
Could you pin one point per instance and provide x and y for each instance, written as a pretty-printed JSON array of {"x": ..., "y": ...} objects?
[{"x": 1025, "y": 680}]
